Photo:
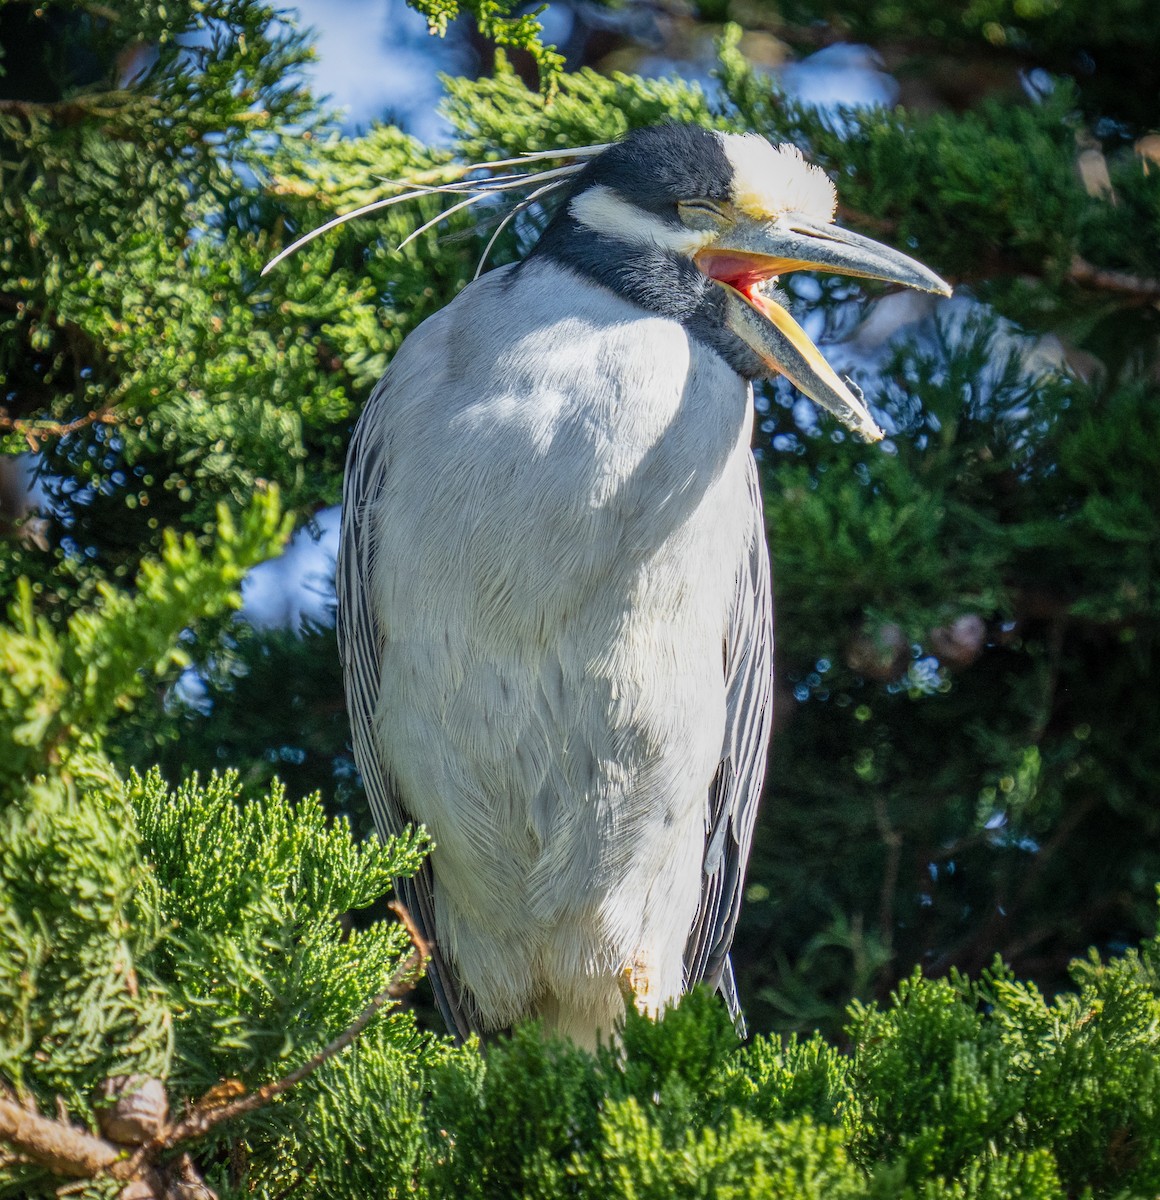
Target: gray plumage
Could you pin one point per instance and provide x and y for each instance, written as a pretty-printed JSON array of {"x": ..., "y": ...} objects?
[
  {"x": 553, "y": 585},
  {"x": 556, "y": 626}
]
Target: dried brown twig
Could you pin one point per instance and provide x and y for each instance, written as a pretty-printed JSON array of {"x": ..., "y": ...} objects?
[{"x": 35, "y": 432}]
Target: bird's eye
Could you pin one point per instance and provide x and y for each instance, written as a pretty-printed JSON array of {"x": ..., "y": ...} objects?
[{"x": 700, "y": 214}]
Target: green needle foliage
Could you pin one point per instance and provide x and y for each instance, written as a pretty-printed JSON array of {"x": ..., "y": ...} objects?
[
  {"x": 495, "y": 22},
  {"x": 204, "y": 942},
  {"x": 966, "y": 756}
]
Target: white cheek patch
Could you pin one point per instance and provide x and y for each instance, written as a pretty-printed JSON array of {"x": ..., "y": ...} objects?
[
  {"x": 771, "y": 180},
  {"x": 600, "y": 209}
]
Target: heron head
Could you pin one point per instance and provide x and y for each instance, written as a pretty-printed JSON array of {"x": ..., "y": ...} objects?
[
  {"x": 702, "y": 225},
  {"x": 696, "y": 225}
]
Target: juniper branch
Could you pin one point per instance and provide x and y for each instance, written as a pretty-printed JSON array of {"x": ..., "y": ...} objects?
[
  {"x": 57, "y": 1146},
  {"x": 202, "y": 1120}
]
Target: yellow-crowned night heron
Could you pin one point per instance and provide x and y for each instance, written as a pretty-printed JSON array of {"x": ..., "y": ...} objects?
[{"x": 553, "y": 583}]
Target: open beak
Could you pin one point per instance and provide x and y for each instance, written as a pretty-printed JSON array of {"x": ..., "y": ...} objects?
[{"x": 754, "y": 254}]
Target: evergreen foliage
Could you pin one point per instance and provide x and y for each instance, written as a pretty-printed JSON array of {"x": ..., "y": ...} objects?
[
  {"x": 966, "y": 759},
  {"x": 214, "y": 930},
  {"x": 495, "y": 22}
]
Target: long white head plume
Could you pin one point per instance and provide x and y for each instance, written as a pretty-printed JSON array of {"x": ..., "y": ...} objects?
[{"x": 542, "y": 182}]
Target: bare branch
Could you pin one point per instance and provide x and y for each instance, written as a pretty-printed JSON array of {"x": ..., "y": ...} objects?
[
  {"x": 880, "y": 225},
  {"x": 101, "y": 105},
  {"x": 1089, "y": 275},
  {"x": 61, "y": 1148}
]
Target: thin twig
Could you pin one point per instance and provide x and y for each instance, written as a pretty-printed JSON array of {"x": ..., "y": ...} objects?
[
  {"x": 35, "y": 432},
  {"x": 103, "y": 11},
  {"x": 201, "y": 1121},
  {"x": 1089, "y": 275},
  {"x": 852, "y": 216},
  {"x": 1055, "y": 635},
  {"x": 893, "y": 841},
  {"x": 976, "y": 947},
  {"x": 72, "y": 112}
]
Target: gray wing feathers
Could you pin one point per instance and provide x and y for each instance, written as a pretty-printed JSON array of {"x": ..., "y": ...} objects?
[
  {"x": 361, "y": 640},
  {"x": 736, "y": 788}
]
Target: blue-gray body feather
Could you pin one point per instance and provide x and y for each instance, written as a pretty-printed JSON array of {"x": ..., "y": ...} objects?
[{"x": 556, "y": 628}]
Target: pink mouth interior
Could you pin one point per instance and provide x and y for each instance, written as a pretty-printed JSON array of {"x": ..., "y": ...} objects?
[{"x": 742, "y": 272}]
